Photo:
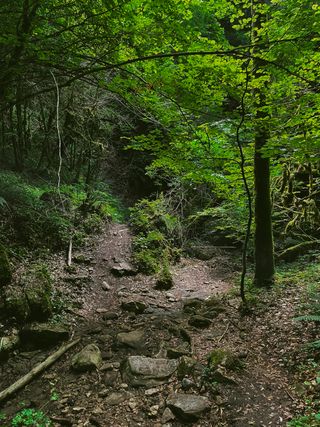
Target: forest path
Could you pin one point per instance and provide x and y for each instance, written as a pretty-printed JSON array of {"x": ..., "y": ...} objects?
[{"x": 260, "y": 394}]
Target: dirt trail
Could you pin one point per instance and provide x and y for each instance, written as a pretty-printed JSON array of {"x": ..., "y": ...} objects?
[{"x": 261, "y": 394}]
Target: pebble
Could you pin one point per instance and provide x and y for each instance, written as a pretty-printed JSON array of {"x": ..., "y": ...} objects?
[{"x": 151, "y": 391}]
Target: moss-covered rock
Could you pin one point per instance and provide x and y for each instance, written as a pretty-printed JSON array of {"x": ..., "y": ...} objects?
[
  {"x": 16, "y": 303},
  {"x": 30, "y": 299},
  {"x": 5, "y": 269},
  {"x": 225, "y": 358}
]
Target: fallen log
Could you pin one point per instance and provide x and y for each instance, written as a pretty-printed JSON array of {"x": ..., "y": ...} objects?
[
  {"x": 290, "y": 254},
  {"x": 5, "y": 394}
]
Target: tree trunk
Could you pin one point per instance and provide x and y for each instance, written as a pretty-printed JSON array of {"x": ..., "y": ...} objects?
[{"x": 263, "y": 239}]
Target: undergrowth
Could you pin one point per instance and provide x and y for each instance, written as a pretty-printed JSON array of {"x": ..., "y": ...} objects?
[{"x": 34, "y": 215}]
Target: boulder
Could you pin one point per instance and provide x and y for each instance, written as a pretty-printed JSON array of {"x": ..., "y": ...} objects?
[
  {"x": 8, "y": 344},
  {"x": 145, "y": 371},
  {"x": 5, "y": 269},
  {"x": 133, "y": 339},
  {"x": 137, "y": 307},
  {"x": 30, "y": 299},
  {"x": 43, "y": 335},
  {"x": 188, "y": 407},
  {"x": 123, "y": 269},
  {"x": 88, "y": 359}
]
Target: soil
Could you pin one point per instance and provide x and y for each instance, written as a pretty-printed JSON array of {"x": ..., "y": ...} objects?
[{"x": 268, "y": 342}]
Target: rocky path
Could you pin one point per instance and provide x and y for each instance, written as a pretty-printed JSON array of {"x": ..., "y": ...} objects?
[{"x": 143, "y": 355}]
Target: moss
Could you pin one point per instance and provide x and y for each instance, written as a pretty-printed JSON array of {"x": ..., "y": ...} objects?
[
  {"x": 38, "y": 289},
  {"x": 164, "y": 280},
  {"x": 5, "y": 269},
  {"x": 223, "y": 357},
  {"x": 16, "y": 303},
  {"x": 31, "y": 298}
]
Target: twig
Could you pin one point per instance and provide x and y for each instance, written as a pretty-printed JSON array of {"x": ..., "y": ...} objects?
[
  {"x": 5, "y": 394},
  {"x": 224, "y": 333}
]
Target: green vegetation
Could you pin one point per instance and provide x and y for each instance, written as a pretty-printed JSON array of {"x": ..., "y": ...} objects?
[
  {"x": 157, "y": 235},
  {"x": 40, "y": 215},
  {"x": 30, "y": 417}
]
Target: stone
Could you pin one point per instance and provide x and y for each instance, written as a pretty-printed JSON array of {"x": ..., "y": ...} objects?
[
  {"x": 87, "y": 359},
  {"x": 176, "y": 353},
  {"x": 117, "y": 398},
  {"x": 8, "y": 344},
  {"x": 136, "y": 307},
  {"x": 187, "y": 384},
  {"x": 111, "y": 378},
  {"x": 133, "y": 339},
  {"x": 151, "y": 391},
  {"x": 106, "y": 286},
  {"x": 5, "y": 268},
  {"x": 30, "y": 299},
  {"x": 123, "y": 269},
  {"x": 145, "y": 371},
  {"x": 110, "y": 315},
  {"x": 188, "y": 407},
  {"x": 199, "y": 321},
  {"x": 167, "y": 416},
  {"x": 43, "y": 335},
  {"x": 153, "y": 411},
  {"x": 220, "y": 376},
  {"x": 192, "y": 304},
  {"x": 224, "y": 357}
]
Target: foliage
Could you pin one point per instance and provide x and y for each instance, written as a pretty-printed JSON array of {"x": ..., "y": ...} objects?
[
  {"x": 157, "y": 234},
  {"x": 40, "y": 215},
  {"x": 30, "y": 417}
]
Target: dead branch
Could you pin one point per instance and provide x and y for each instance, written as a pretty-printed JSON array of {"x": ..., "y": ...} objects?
[{"x": 5, "y": 394}]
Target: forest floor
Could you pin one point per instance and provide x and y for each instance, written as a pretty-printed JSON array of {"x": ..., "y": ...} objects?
[{"x": 268, "y": 342}]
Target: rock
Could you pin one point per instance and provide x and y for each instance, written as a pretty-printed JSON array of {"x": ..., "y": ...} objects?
[
  {"x": 136, "y": 307},
  {"x": 111, "y": 378},
  {"x": 106, "y": 286},
  {"x": 165, "y": 280},
  {"x": 153, "y": 411},
  {"x": 8, "y": 344},
  {"x": 151, "y": 391},
  {"x": 43, "y": 335},
  {"x": 188, "y": 407},
  {"x": 123, "y": 269},
  {"x": 145, "y": 371},
  {"x": 199, "y": 321},
  {"x": 110, "y": 315},
  {"x": 5, "y": 269},
  {"x": 117, "y": 398},
  {"x": 167, "y": 416},
  {"x": 133, "y": 339},
  {"x": 175, "y": 353},
  {"x": 30, "y": 299},
  {"x": 187, "y": 384},
  {"x": 87, "y": 359},
  {"x": 192, "y": 304},
  {"x": 225, "y": 358},
  {"x": 220, "y": 376}
]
